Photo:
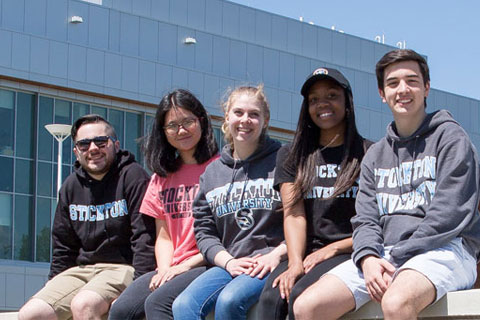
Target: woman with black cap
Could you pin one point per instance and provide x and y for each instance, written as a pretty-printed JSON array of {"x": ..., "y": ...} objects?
[{"x": 317, "y": 178}]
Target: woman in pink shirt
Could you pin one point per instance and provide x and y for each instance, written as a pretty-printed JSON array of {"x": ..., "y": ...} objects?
[{"x": 179, "y": 147}]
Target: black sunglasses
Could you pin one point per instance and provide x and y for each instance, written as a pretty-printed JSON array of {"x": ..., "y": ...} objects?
[{"x": 100, "y": 141}]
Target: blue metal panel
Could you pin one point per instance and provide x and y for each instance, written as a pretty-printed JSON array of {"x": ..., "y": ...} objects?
[
  {"x": 231, "y": 16},
  {"x": 279, "y": 31},
  {"x": 196, "y": 83},
  {"x": 254, "y": 63},
  {"x": 178, "y": 11},
  {"x": 78, "y": 32},
  {"x": 294, "y": 36},
  {"x": 287, "y": 72},
  {"x": 148, "y": 39},
  {"x": 21, "y": 52},
  {"x": 95, "y": 67},
  {"x": 374, "y": 100},
  {"x": 146, "y": 77},
  {"x": 141, "y": 7},
  {"x": 163, "y": 76},
  {"x": 113, "y": 70},
  {"x": 221, "y": 54},
  {"x": 58, "y": 59},
  {"x": 77, "y": 63},
  {"x": 363, "y": 121},
  {"x": 474, "y": 116},
  {"x": 203, "y": 51},
  {"x": 35, "y": 15},
  {"x": 57, "y": 19},
  {"x": 367, "y": 56},
  {"x": 16, "y": 290},
  {"x": 196, "y": 14},
  {"x": 211, "y": 94},
  {"x": 129, "y": 28},
  {"x": 464, "y": 113},
  {"x": 130, "y": 74},
  {"x": 263, "y": 28},
  {"x": 297, "y": 100},
  {"x": 161, "y": 10},
  {"x": 238, "y": 59},
  {"x": 309, "y": 40},
  {"x": 380, "y": 51},
  {"x": 122, "y": 5},
  {"x": 179, "y": 78},
  {"x": 302, "y": 70},
  {"x": 167, "y": 43},
  {"x": 39, "y": 55},
  {"x": 452, "y": 105},
  {"x": 185, "y": 52},
  {"x": 213, "y": 16},
  {"x": 354, "y": 52},
  {"x": 271, "y": 67},
  {"x": 376, "y": 130},
  {"x": 114, "y": 31},
  {"x": 324, "y": 50},
  {"x": 272, "y": 98},
  {"x": 98, "y": 27},
  {"x": 440, "y": 101},
  {"x": 13, "y": 14},
  {"x": 285, "y": 105},
  {"x": 247, "y": 24},
  {"x": 339, "y": 48},
  {"x": 6, "y": 52},
  {"x": 360, "y": 88}
]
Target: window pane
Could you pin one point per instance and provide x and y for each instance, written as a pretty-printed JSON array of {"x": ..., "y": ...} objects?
[
  {"x": 219, "y": 137},
  {"x": 133, "y": 132},
  {"x": 6, "y": 174},
  {"x": 116, "y": 119},
  {"x": 25, "y": 125},
  {"x": 149, "y": 124},
  {"x": 5, "y": 226},
  {"x": 7, "y": 102},
  {"x": 45, "y": 139},
  {"x": 23, "y": 234},
  {"x": 63, "y": 115},
  {"x": 44, "y": 182},
  {"x": 44, "y": 213},
  {"x": 24, "y": 176},
  {"x": 100, "y": 111},
  {"x": 80, "y": 109}
]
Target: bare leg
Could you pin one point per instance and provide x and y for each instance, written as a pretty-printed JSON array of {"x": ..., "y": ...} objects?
[
  {"x": 407, "y": 296},
  {"x": 37, "y": 309},
  {"x": 88, "y": 305},
  {"x": 328, "y": 297}
]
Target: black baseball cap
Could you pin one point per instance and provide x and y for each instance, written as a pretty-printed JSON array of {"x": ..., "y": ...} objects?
[{"x": 322, "y": 73}]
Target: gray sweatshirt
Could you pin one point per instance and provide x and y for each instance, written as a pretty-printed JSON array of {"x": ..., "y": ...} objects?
[
  {"x": 418, "y": 193},
  {"x": 236, "y": 207}
]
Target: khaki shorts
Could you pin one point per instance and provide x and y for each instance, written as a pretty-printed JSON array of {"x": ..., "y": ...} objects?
[{"x": 106, "y": 279}]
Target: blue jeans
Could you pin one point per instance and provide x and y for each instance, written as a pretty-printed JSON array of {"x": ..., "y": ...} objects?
[{"x": 216, "y": 288}]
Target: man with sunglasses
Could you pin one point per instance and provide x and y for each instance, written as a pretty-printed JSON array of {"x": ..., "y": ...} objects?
[{"x": 100, "y": 239}]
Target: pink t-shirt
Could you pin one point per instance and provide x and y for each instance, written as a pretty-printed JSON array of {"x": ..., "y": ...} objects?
[{"x": 171, "y": 199}]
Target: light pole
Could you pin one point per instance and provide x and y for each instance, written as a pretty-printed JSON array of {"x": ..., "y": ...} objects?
[{"x": 60, "y": 132}]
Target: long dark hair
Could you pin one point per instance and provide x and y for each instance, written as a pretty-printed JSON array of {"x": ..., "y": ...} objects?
[
  {"x": 161, "y": 157},
  {"x": 306, "y": 152}
]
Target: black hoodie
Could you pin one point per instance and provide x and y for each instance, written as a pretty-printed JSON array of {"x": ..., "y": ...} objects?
[
  {"x": 236, "y": 207},
  {"x": 99, "y": 221}
]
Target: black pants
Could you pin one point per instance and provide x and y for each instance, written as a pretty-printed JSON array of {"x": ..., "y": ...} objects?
[
  {"x": 137, "y": 301},
  {"x": 272, "y": 306}
]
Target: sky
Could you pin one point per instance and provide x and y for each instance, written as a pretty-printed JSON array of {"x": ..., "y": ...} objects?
[{"x": 446, "y": 31}]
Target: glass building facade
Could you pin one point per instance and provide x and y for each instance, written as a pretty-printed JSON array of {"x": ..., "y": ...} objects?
[{"x": 119, "y": 63}]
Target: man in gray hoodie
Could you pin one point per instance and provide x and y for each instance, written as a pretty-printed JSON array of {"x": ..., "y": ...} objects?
[{"x": 417, "y": 229}]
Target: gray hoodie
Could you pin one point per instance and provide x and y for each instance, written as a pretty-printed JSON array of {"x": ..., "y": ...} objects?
[
  {"x": 418, "y": 193},
  {"x": 236, "y": 207}
]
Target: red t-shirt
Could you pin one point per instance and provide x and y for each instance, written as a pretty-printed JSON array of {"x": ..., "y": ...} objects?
[{"x": 171, "y": 199}]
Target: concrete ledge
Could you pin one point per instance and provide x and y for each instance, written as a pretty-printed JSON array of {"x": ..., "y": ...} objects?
[
  {"x": 8, "y": 315},
  {"x": 454, "y": 305}
]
